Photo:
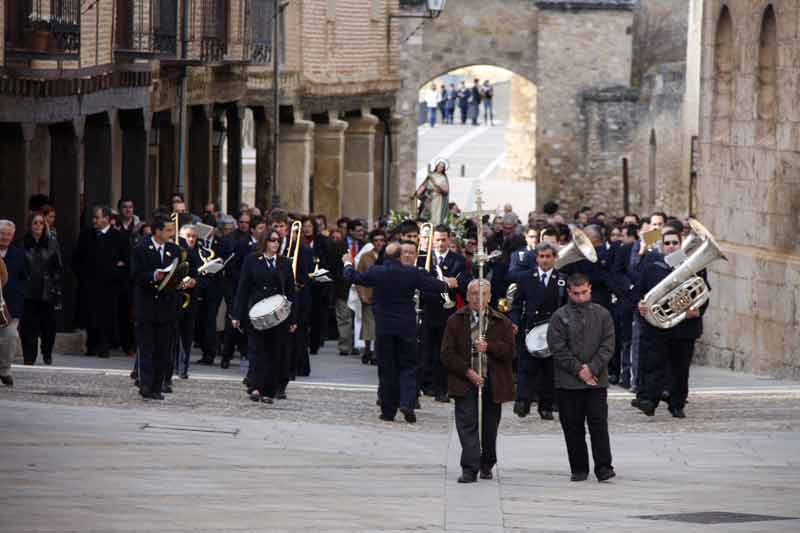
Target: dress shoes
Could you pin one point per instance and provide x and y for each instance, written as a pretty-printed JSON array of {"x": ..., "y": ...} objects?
[
  {"x": 255, "y": 396},
  {"x": 625, "y": 382},
  {"x": 48, "y": 359},
  {"x": 8, "y": 381},
  {"x": 409, "y": 415},
  {"x": 486, "y": 473},
  {"x": 522, "y": 408},
  {"x": 386, "y": 418},
  {"x": 605, "y": 474},
  {"x": 167, "y": 389},
  {"x": 184, "y": 375},
  {"x": 267, "y": 399},
  {"x": 579, "y": 476},
  {"x": 467, "y": 476},
  {"x": 443, "y": 398},
  {"x": 428, "y": 392},
  {"x": 645, "y": 406},
  {"x": 280, "y": 395},
  {"x": 204, "y": 361},
  {"x": 677, "y": 412},
  {"x": 103, "y": 355},
  {"x": 546, "y": 415},
  {"x": 225, "y": 363},
  {"x": 344, "y": 354},
  {"x": 134, "y": 374}
]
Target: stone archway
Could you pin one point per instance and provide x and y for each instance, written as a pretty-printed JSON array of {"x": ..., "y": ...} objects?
[{"x": 574, "y": 51}]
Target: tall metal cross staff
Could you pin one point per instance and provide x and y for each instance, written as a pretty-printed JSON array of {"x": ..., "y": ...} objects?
[{"x": 481, "y": 258}]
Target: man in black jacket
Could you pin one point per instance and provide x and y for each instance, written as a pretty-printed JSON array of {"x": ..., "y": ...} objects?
[
  {"x": 393, "y": 306},
  {"x": 435, "y": 313},
  {"x": 156, "y": 311},
  {"x": 665, "y": 350},
  {"x": 102, "y": 263}
]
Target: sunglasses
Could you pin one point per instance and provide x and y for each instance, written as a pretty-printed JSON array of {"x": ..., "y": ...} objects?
[
  {"x": 273, "y": 240},
  {"x": 671, "y": 243}
]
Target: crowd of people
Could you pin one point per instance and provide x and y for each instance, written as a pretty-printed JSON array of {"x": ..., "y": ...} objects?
[
  {"x": 405, "y": 295},
  {"x": 442, "y": 101}
]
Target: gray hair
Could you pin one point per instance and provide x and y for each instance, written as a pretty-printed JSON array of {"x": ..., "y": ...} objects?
[
  {"x": 8, "y": 224},
  {"x": 594, "y": 232},
  {"x": 483, "y": 283},
  {"x": 224, "y": 220},
  {"x": 187, "y": 227},
  {"x": 545, "y": 246}
]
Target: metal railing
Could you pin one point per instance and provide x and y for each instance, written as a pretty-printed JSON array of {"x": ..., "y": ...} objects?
[
  {"x": 259, "y": 31},
  {"x": 147, "y": 26},
  {"x": 214, "y": 30},
  {"x": 44, "y": 26}
]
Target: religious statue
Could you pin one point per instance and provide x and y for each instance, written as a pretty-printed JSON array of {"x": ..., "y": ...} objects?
[{"x": 434, "y": 195}]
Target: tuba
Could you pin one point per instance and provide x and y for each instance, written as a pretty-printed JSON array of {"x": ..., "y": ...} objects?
[
  {"x": 578, "y": 249},
  {"x": 669, "y": 301},
  {"x": 293, "y": 249},
  {"x": 505, "y": 304}
]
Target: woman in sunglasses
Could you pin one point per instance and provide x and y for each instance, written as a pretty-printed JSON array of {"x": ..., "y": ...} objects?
[{"x": 264, "y": 274}]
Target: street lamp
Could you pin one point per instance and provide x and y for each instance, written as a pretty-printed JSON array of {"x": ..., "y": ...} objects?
[{"x": 435, "y": 7}]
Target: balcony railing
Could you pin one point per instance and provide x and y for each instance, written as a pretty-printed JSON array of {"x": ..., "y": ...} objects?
[
  {"x": 146, "y": 27},
  {"x": 259, "y": 31},
  {"x": 214, "y": 36},
  {"x": 43, "y": 26},
  {"x": 412, "y": 4}
]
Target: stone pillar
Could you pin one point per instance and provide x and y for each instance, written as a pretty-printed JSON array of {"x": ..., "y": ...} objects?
[
  {"x": 98, "y": 158},
  {"x": 198, "y": 179},
  {"x": 233, "y": 115},
  {"x": 65, "y": 195},
  {"x": 329, "y": 168},
  {"x": 16, "y": 185},
  {"x": 395, "y": 197},
  {"x": 167, "y": 153},
  {"x": 217, "y": 138},
  {"x": 263, "y": 146},
  {"x": 358, "y": 193},
  {"x": 296, "y": 156},
  {"x": 378, "y": 168},
  {"x": 135, "y": 162}
]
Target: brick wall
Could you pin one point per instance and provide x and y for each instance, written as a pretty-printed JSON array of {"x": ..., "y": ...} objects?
[{"x": 96, "y": 34}]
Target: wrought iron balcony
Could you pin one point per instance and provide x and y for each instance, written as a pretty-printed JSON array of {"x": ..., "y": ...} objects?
[
  {"x": 259, "y": 31},
  {"x": 43, "y": 27},
  {"x": 214, "y": 39},
  {"x": 146, "y": 28}
]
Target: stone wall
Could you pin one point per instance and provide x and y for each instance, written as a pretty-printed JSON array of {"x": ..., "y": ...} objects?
[
  {"x": 660, "y": 33},
  {"x": 578, "y": 51},
  {"x": 749, "y": 184},
  {"x": 520, "y": 160},
  {"x": 658, "y": 180}
]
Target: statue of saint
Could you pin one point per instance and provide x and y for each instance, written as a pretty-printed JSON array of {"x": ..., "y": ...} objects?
[{"x": 434, "y": 196}]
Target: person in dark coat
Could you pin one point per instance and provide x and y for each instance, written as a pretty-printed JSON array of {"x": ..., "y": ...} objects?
[
  {"x": 580, "y": 337},
  {"x": 453, "y": 265},
  {"x": 210, "y": 294},
  {"x": 14, "y": 284},
  {"x": 299, "y": 363},
  {"x": 666, "y": 354},
  {"x": 321, "y": 292},
  {"x": 101, "y": 262},
  {"x": 463, "y": 95},
  {"x": 461, "y": 343},
  {"x": 188, "y": 311},
  {"x": 156, "y": 311},
  {"x": 265, "y": 273},
  {"x": 539, "y": 294},
  {"x": 242, "y": 242},
  {"x": 395, "y": 322},
  {"x": 42, "y": 293}
]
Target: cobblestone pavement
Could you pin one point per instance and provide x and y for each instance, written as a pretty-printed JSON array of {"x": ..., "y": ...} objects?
[{"x": 80, "y": 451}]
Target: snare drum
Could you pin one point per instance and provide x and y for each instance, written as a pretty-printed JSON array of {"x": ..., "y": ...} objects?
[
  {"x": 536, "y": 342},
  {"x": 270, "y": 312}
]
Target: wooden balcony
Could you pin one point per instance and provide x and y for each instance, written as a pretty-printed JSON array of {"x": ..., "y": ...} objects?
[
  {"x": 42, "y": 29},
  {"x": 146, "y": 28}
]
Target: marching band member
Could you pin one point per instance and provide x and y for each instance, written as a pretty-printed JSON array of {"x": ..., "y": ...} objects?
[
  {"x": 436, "y": 312},
  {"x": 581, "y": 340},
  {"x": 539, "y": 294},
  {"x": 393, "y": 305},
  {"x": 523, "y": 260},
  {"x": 210, "y": 296},
  {"x": 187, "y": 314},
  {"x": 156, "y": 311},
  {"x": 462, "y": 339},
  {"x": 264, "y": 274},
  {"x": 320, "y": 292}
]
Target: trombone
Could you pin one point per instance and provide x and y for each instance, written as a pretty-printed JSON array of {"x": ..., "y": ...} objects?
[
  {"x": 294, "y": 241},
  {"x": 183, "y": 266}
]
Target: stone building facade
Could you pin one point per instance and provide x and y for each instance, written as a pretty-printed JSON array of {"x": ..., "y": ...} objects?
[
  {"x": 91, "y": 109},
  {"x": 748, "y": 188}
]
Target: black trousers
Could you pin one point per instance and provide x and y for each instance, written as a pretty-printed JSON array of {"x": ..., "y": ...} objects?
[
  {"x": 207, "y": 310},
  {"x": 664, "y": 365},
  {"x": 580, "y": 408},
  {"x": 434, "y": 374},
  {"x": 478, "y": 452},
  {"x": 397, "y": 372},
  {"x": 98, "y": 340},
  {"x": 300, "y": 363},
  {"x": 267, "y": 354},
  {"x": 320, "y": 311},
  {"x": 156, "y": 348},
  {"x": 38, "y": 321},
  {"x": 535, "y": 379},
  {"x": 186, "y": 325},
  {"x": 127, "y": 341}
]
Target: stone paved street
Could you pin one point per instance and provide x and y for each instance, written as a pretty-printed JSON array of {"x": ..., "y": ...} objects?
[{"x": 81, "y": 452}]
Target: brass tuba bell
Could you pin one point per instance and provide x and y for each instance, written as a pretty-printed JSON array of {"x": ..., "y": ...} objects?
[{"x": 578, "y": 249}]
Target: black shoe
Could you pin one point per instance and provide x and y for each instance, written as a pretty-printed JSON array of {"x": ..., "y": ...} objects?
[
  {"x": 545, "y": 414},
  {"x": 204, "y": 361},
  {"x": 48, "y": 359},
  {"x": 344, "y": 354},
  {"x": 386, "y": 418},
  {"x": 245, "y": 381},
  {"x": 645, "y": 406},
  {"x": 409, "y": 415},
  {"x": 314, "y": 351},
  {"x": 134, "y": 374},
  {"x": 677, "y": 413},
  {"x": 625, "y": 382},
  {"x": 225, "y": 363},
  {"x": 522, "y": 408},
  {"x": 605, "y": 474},
  {"x": 267, "y": 399},
  {"x": 443, "y": 398},
  {"x": 486, "y": 472},
  {"x": 467, "y": 476},
  {"x": 184, "y": 375},
  {"x": 427, "y": 391},
  {"x": 90, "y": 353},
  {"x": 579, "y": 476},
  {"x": 255, "y": 396},
  {"x": 157, "y": 396},
  {"x": 373, "y": 361},
  {"x": 378, "y": 402},
  {"x": 8, "y": 381},
  {"x": 167, "y": 389},
  {"x": 613, "y": 379},
  {"x": 417, "y": 405},
  {"x": 365, "y": 359},
  {"x": 103, "y": 355},
  {"x": 281, "y": 395}
]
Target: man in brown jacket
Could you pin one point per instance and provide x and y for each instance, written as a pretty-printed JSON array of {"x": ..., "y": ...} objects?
[
  {"x": 377, "y": 238},
  {"x": 458, "y": 344}
]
